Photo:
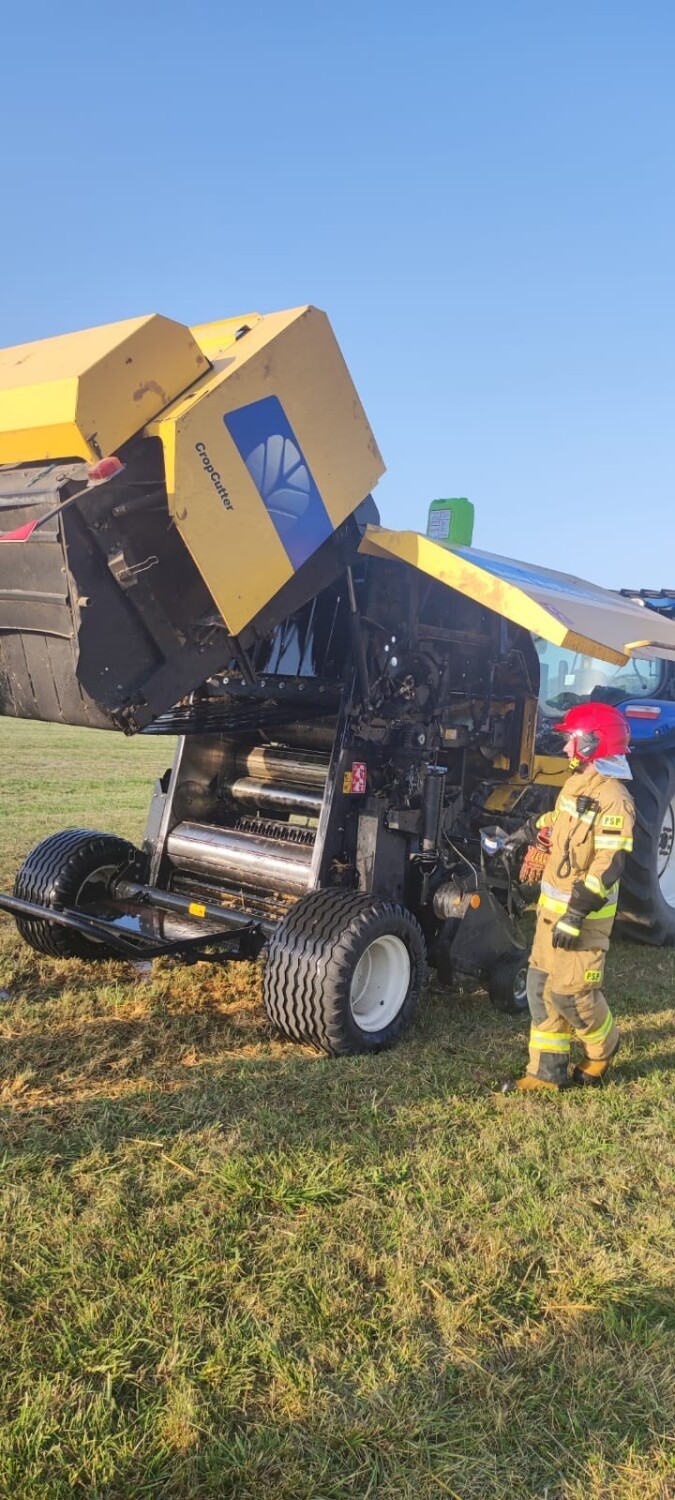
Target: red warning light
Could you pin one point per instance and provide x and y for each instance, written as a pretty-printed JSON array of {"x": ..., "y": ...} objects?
[{"x": 105, "y": 469}]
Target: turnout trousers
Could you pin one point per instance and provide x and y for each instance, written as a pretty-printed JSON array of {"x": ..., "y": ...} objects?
[{"x": 564, "y": 992}]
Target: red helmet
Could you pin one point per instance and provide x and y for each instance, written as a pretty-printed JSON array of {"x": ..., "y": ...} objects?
[{"x": 598, "y": 729}]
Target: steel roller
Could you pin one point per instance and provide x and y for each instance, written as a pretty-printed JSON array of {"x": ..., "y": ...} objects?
[
  {"x": 280, "y": 796},
  {"x": 241, "y": 858}
]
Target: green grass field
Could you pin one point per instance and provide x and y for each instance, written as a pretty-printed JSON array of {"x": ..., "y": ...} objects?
[{"x": 231, "y": 1267}]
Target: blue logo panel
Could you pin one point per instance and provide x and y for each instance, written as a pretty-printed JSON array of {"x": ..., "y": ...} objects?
[{"x": 282, "y": 477}]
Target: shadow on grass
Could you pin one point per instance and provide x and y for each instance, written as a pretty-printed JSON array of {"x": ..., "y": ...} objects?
[
  {"x": 192, "y": 1048},
  {"x": 479, "y": 1381},
  {"x": 166, "y": 1068},
  {"x": 164, "y": 1074},
  {"x": 585, "y": 1410},
  {"x": 289, "y": 1099}
]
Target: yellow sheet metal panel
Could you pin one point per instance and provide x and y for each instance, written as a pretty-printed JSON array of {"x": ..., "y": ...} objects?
[
  {"x": 550, "y": 770},
  {"x": 563, "y": 609},
  {"x": 505, "y": 797},
  {"x": 547, "y": 770},
  {"x": 265, "y": 457},
  {"x": 214, "y": 339},
  {"x": 85, "y": 394}
]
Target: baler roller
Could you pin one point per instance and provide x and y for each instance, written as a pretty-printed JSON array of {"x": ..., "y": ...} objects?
[
  {"x": 279, "y": 796},
  {"x": 265, "y": 763},
  {"x": 277, "y": 829},
  {"x": 241, "y": 858}
]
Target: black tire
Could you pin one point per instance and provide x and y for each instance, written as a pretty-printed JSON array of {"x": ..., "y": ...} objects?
[
  {"x": 56, "y": 873},
  {"x": 313, "y": 957},
  {"x": 506, "y": 984},
  {"x": 644, "y": 913}
]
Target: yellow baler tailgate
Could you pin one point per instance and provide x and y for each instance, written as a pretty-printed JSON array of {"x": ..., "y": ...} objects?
[
  {"x": 84, "y": 394},
  {"x": 266, "y": 456},
  {"x": 245, "y": 452},
  {"x": 563, "y": 609}
]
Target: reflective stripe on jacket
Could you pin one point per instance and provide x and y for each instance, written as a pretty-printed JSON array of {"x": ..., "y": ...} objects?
[{"x": 591, "y": 832}]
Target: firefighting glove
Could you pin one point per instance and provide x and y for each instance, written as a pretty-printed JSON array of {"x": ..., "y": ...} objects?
[
  {"x": 567, "y": 930},
  {"x": 532, "y": 868},
  {"x": 585, "y": 898}
]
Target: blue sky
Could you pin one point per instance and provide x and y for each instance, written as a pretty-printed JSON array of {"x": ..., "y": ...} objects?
[{"x": 481, "y": 196}]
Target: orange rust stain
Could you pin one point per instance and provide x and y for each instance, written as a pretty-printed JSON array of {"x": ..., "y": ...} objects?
[{"x": 151, "y": 387}]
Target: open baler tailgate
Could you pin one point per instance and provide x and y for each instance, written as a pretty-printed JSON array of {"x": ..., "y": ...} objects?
[
  {"x": 563, "y": 609},
  {"x": 244, "y": 453},
  {"x": 103, "y": 616}
]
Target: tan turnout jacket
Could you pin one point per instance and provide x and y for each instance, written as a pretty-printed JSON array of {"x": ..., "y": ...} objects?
[{"x": 591, "y": 824}]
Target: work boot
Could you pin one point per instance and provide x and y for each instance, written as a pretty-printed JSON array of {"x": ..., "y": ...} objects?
[
  {"x": 529, "y": 1084},
  {"x": 591, "y": 1073}
]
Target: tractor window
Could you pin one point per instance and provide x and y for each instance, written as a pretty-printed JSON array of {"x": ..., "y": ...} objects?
[{"x": 568, "y": 678}]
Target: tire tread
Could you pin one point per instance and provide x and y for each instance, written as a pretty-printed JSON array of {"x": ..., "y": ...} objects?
[
  {"x": 311, "y": 957},
  {"x": 52, "y": 874},
  {"x": 644, "y": 915}
]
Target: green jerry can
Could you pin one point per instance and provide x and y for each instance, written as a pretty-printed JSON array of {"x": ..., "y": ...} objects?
[{"x": 451, "y": 522}]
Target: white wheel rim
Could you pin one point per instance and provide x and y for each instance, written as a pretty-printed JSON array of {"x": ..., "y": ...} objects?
[
  {"x": 665, "y": 867},
  {"x": 520, "y": 985},
  {"x": 380, "y": 983}
]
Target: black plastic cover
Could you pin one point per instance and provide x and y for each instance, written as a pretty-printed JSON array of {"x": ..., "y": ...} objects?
[{"x": 105, "y": 620}]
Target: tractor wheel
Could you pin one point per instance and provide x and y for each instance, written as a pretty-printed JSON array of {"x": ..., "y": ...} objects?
[
  {"x": 647, "y": 894},
  {"x": 507, "y": 984},
  {"x": 75, "y": 869},
  {"x": 344, "y": 972}
]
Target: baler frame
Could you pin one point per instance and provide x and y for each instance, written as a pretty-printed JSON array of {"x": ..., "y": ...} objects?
[{"x": 185, "y": 548}]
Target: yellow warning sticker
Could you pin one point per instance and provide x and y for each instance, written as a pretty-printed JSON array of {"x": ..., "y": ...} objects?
[
  {"x": 593, "y": 976},
  {"x": 196, "y": 910},
  {"x": 612, "y": 820},
  {"x": 347, "y": 782}
]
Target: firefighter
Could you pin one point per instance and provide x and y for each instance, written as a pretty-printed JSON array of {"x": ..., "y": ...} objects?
[{"x": 590, "y": 832}]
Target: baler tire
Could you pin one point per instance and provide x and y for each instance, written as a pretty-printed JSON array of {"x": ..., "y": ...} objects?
[
  {"x": 506, "y": 984},
  {"x": 312, "y": 962},
  {"x": 54, "y": 874},
  {"x": 645, "y": 915}
]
